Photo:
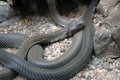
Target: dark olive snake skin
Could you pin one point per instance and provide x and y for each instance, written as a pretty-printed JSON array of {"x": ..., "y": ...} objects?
[
  {"x": 11, "y": 41},
  {"x": 55, "y": 15},
  {"x": 71, "y": 67},
  {"x": 71, "y": 52}
]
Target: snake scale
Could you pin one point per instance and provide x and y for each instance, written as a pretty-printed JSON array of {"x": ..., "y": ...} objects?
[{"x": 83, "y": 47}]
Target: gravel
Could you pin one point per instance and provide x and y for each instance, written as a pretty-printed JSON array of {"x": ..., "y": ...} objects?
[{"x": 100, "y": 68}]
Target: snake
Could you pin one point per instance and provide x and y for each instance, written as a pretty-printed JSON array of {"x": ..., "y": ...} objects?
[
  {"x": 38, "y": 74},
  {"x": 10, "y": 40},
  {"x": 13, "y": 40},
  {"x": 64, "y": 58},
  {"x": 51, "y": 37}
]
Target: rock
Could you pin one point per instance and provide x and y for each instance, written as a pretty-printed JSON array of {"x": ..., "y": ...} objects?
[
  {"x": 110, "y": 60},
  {"x": 108, "y": 4},
  {"x": 106, "y": 65},
  {"x": 91, "y": 66},
  {"x": 4, "y": 24},
  {"x": 5, "y": 11},
  {"x": 89, "y": 77},
  {"x": 104, "y": 38},
  {"x": 112, "y": 9},
  {"x": 114, "y": 16}
]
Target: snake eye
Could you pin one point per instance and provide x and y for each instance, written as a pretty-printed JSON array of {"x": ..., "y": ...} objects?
[{"x": 81, "y": 25}]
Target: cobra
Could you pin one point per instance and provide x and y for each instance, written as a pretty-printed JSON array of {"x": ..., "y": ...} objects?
[{"x": 82, "y": 53}]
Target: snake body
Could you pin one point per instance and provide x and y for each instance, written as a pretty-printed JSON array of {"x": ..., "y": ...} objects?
[
  {"x": 55, "y": 15},
  {"x": 71, "y": 52},
  {"x": 65, "y": 71},
  {"x": 10, "y": 41},
  {"x": 43, "y": 39},
  {"x": 35, "y": 73},
  {"x": 13, "y": 40}
]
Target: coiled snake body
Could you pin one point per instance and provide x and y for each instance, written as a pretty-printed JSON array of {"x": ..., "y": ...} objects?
[{"x": 64, "y": 67}]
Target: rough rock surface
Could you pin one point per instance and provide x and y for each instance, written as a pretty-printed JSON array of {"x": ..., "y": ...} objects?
[
  {"x": 104, "y": 33},
  {"x": 5, "y": 12}
]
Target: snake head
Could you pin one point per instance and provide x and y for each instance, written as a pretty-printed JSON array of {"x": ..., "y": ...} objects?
[{"x": 74, "y": 27}]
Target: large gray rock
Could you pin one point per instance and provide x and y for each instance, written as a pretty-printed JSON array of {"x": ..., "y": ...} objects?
[
  {"x": 108, "y": 4},
  {"x": 4, "y": 11},
  {"x": 109, "y": 39},
  {"x": 114, "y": 16},
  {"x": 5, "y": 14},
  {"x": 112, "y": 9}
]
